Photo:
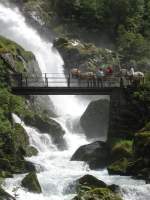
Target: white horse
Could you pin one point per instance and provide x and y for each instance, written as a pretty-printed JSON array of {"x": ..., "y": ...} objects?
[
  {"x": 136, "y": 77},
  {"x": 132, "y": 76}
]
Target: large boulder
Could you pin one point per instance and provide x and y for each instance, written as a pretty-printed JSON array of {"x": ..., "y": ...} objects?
[
  {"x": 95, "y": 154},
  {"x": 95, "y": 119},
  {"x": 88, "y": 187},
  {"x": 31, "y": 183},
  {"x": 91, "y": 181}
]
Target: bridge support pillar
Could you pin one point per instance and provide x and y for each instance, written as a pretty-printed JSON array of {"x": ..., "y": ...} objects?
[{"x": 117, "y": 101}]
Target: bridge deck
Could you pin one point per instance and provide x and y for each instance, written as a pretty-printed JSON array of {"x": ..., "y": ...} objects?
[
  {"x": 56, "y": 84},
  {"x": 62, "y": 91}
]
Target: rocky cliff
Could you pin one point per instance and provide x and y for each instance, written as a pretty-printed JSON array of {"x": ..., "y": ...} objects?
[{"x": 14, "y": 141}]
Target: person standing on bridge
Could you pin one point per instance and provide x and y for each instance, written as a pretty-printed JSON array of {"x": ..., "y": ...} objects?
[
  {"x": 99, "y": 77},
  {"x": 109, "y": 70}
]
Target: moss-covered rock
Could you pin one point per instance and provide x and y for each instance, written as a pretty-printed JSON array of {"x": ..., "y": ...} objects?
[
  {"x": 31, "y": 183},
  {"x": 31, "y": 151},
  {"x": 121, "y": 149},
  {"x": 21, "y": 141},
  {"x": 89, "y": 187},
  {"x": 98, "y": 194},
  {"x": 119, "y": 167},
  {"x": 140, "y": 165},
  {"x": 20, "y": 137},
  {"x": 142, "y": 144},
  {"x": 6, "y": 174}
]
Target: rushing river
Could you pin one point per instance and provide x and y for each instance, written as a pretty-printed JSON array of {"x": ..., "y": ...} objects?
[{"x": 56, "y": 173}]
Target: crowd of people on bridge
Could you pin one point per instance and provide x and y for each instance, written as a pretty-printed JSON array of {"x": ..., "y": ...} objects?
[
  {"x": 95, "y": 77},
  {"x": 101, "y": 75}
]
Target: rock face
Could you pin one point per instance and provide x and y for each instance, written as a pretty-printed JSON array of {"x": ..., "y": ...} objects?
[
  {"x": 86, "y": 56},
  {"x": 90, "y": 188},
  {"x": 95, "y": 119},
  {"x": 21, "y": 142},
  {"x": 14, "y": 141},
  {"x": 47, "y": 125},
  {"x": 94, "y": 154},
  {"x": 31, "y": 183}
]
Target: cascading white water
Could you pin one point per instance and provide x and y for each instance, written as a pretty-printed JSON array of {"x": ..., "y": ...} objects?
[{"x": 56, "y": 172}]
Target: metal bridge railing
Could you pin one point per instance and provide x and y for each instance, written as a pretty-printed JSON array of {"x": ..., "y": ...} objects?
[{"x": 61, "y": 80}]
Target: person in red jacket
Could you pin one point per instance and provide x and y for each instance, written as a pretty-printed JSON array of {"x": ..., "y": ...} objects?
[{"x": 109, "y": 70}]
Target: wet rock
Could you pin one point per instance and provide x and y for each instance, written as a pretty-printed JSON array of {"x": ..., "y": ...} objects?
[
  {"x": 91, "y": 188},
  {"x": 22, "y": 166},
  {"x": 20, "y": 137},
  {"x": 91, "y": 181},
  {"x": 5, "y": 196},
  {"x": 31, "y": 183},
  {"x": 95, "y": 154},
  {"x": 94, "y": 121},
  {"x": 98, "y": 194},
  {"x": 31, "y": 151},
  {"x": 47, "y": 125}
]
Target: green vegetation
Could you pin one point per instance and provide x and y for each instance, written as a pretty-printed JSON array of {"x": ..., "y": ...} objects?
[
  {"x": 120, "y": 149},
  {"x": 118, "y": 167},
  {"x": 15, "y": 53},
  {"x": 100, "y": 193},
  {"x": 14, "y": 141},
  {"x": 126, "y": 21},
  {"x": 86, "y": 56}
]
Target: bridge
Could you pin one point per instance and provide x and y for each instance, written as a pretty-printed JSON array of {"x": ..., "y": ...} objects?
[
  {"x": 57, "y": 84},
  {"x": 60, "y": 84}
]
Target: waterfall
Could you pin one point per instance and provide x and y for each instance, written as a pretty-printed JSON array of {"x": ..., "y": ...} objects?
[{"x": 55, "y": 170}]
